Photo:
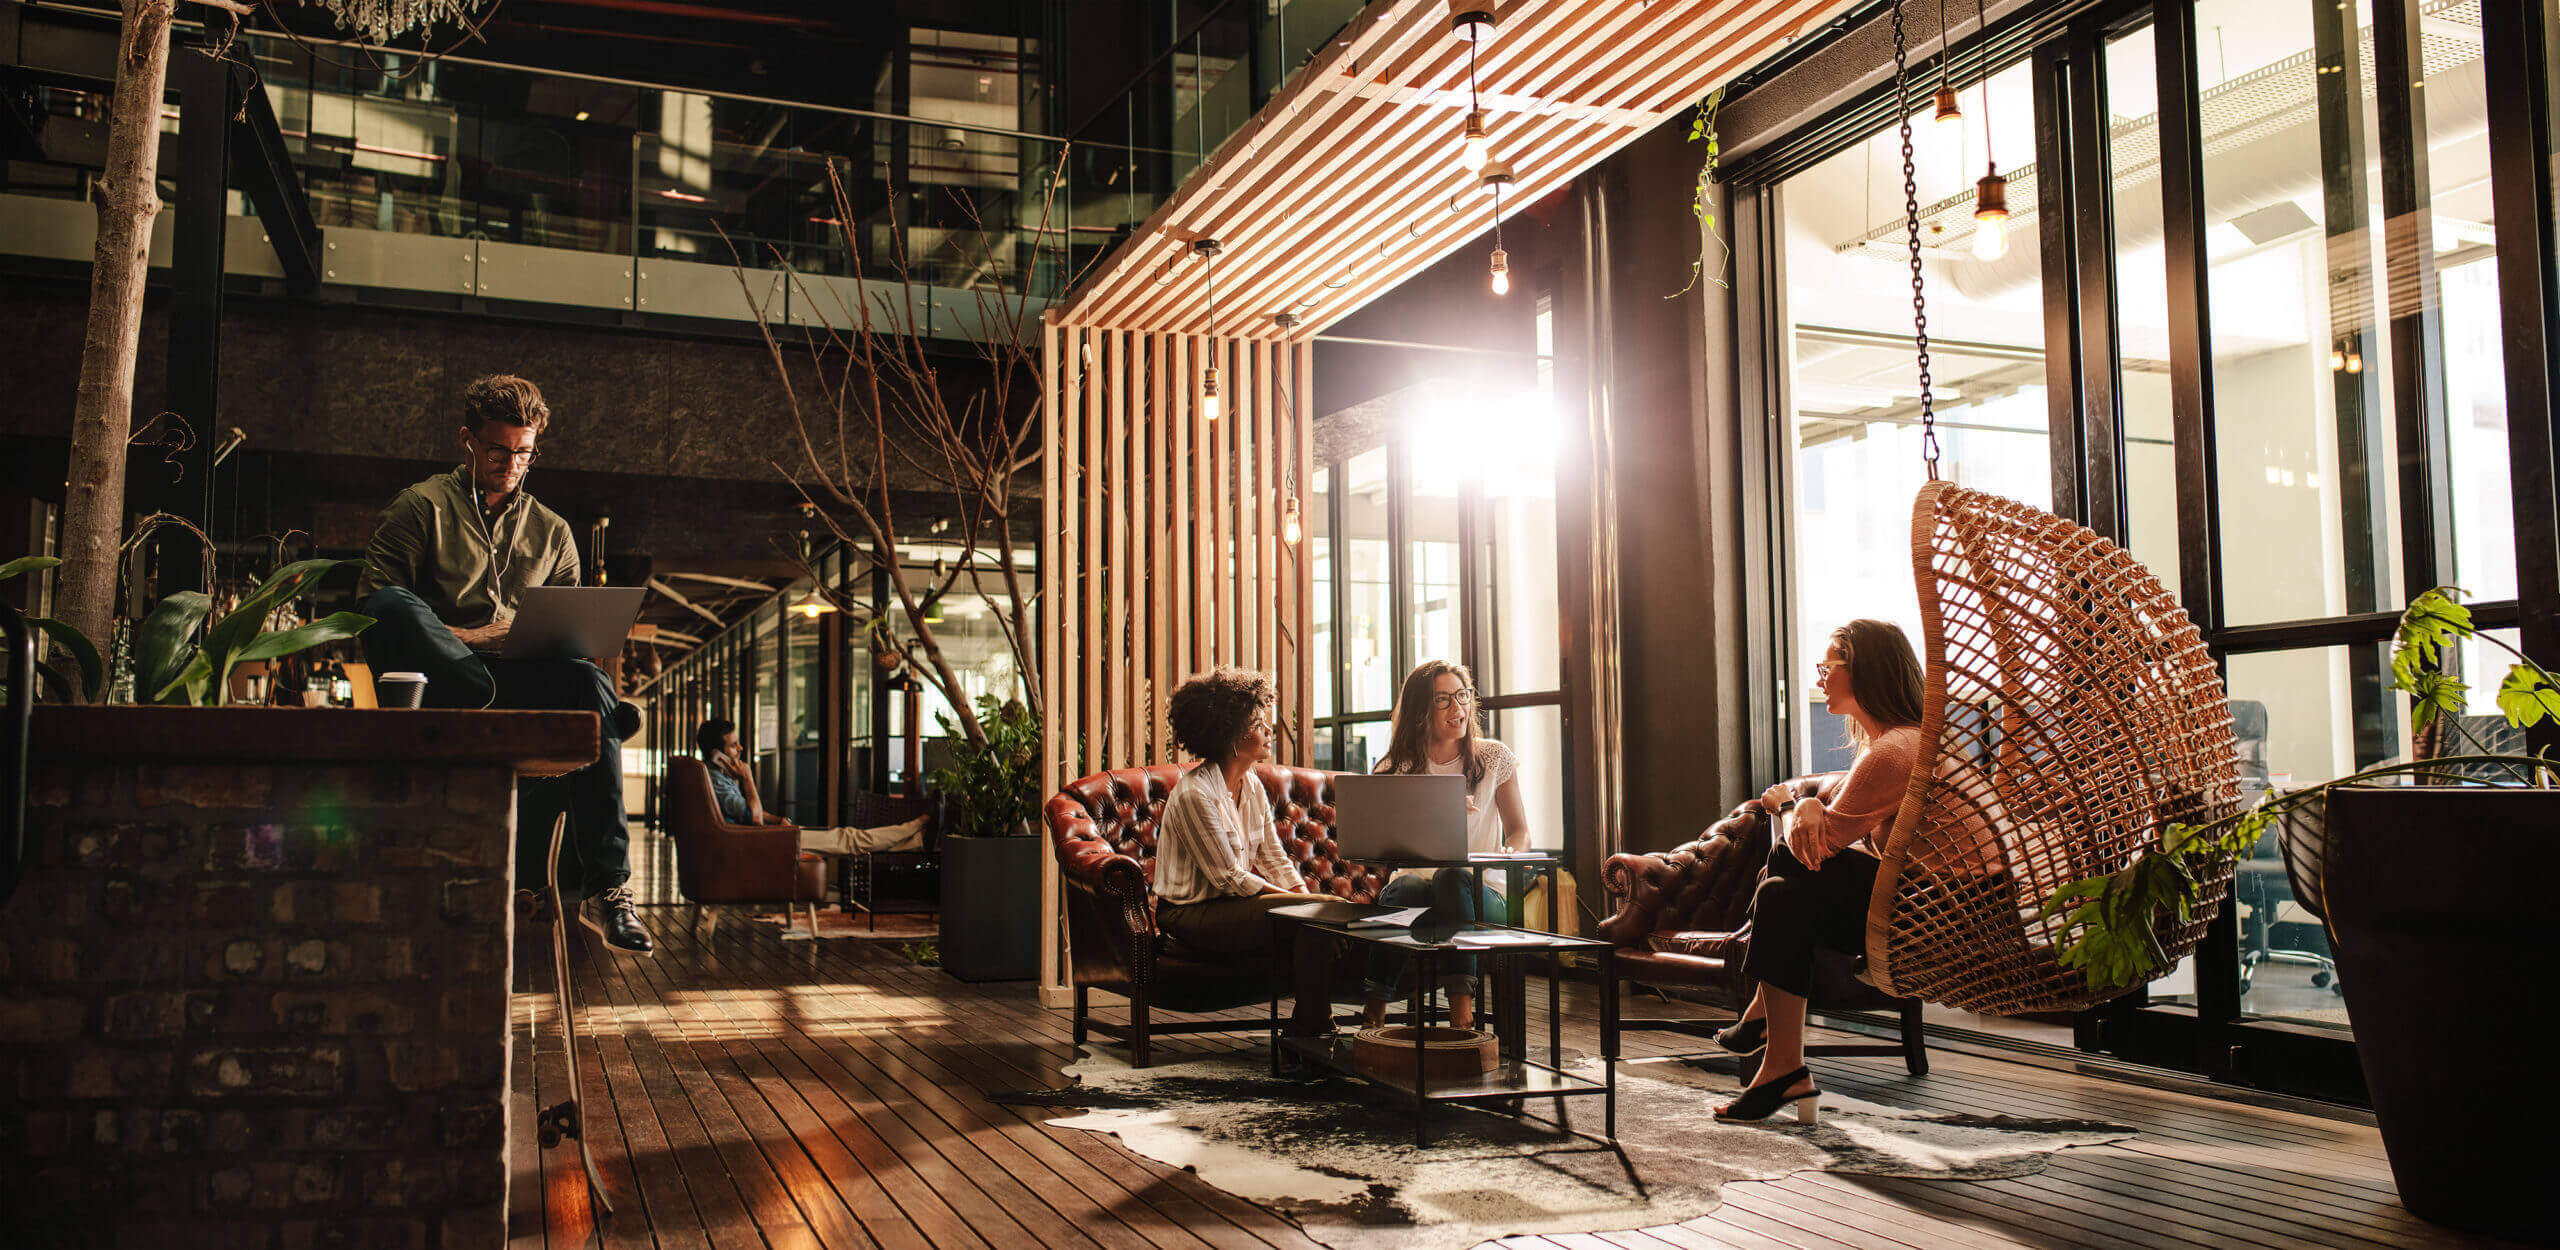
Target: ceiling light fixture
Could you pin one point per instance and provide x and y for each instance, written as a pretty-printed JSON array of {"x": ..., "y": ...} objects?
[
  {"x": 1496, "y": 177},
  {"x": 1475, "y": 142},
  {"x": 1207, "y": 250},
  {"x": 1991, "y": 216},
  {"x": 1474, "y": 25}
]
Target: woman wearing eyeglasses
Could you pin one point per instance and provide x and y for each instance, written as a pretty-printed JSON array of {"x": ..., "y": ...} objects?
[
  {"x": 1435, "y": 732},
  {"x": 1823, "y": 858}
]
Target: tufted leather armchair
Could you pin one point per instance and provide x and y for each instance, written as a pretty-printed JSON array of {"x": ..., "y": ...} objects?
[
  {"x": 1679, "y": 918},
  {"x": 1104, "y": 829}
]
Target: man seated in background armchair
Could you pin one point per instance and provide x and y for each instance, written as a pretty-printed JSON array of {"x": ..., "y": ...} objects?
[
  {"x": 733, "y": 783},
  {"x": 446, "y": 566},
  {"x": 733, "y": 789}
]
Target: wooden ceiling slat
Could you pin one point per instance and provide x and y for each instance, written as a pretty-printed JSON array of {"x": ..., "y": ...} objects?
[
  {"x": 1410, "y": 174},
  {"x": 1353, "y": 172},
  {"x": 1292, "y": 112},
  {"x": 1300, "y": 118},
  {"x": 1415, "y": 186},
  {"x": 1549, "y": 169}
]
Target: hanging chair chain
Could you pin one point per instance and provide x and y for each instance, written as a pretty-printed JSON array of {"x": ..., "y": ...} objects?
[{"x": 1911, "y": 224}]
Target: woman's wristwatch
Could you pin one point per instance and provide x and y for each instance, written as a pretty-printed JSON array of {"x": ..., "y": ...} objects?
[{"x": 1789, "y": 804}]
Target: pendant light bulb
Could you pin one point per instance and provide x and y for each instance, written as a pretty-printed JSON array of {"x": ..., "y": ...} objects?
[
  {"x": 1950, "y": 115},
  {"x": 1991, "y": 216},
  {"x": 1475, "y": 144},
  {"x": 1209, "y": 404},
  {"x": 1501, "y": 272},
  {"x": 1290, "y": 528}
]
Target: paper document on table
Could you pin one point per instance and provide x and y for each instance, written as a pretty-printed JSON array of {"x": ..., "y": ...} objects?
[
  {"x": 1508, "y": 855},
  {"x": 1499, "y": 937},
  {"x": 1401, "y": 918}
]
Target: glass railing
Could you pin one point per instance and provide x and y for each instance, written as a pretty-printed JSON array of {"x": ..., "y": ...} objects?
[{"x": 490, "y": 154}]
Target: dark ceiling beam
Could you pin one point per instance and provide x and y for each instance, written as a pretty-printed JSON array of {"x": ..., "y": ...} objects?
[{"x": 262, "y": 167}]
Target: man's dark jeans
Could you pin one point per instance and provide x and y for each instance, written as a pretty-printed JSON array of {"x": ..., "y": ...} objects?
[{"x": 406, "y": 637}]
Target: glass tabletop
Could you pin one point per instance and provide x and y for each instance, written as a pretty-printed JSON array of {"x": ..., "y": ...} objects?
[
  {"x": 1526, "y": 859},
  {"x": 1445, "y": 937}
]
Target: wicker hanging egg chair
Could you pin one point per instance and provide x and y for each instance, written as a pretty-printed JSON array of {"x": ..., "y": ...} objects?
[{"x": 2071, "y": 713}]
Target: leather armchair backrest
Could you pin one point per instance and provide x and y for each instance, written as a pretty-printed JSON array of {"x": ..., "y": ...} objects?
[
  {"x": 1703, "y": 885},
  {"x": 1115, "y": 813},
  {"x": 690, "y": 808}
]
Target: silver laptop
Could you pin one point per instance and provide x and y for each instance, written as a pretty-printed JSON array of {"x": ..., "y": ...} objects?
[
  {"x": 1409, "y": 816},
  {"x": 564, "y": 621}
]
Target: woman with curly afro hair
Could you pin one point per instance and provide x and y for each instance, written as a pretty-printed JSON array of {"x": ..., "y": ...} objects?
[{"x": 1220, "y": 868}]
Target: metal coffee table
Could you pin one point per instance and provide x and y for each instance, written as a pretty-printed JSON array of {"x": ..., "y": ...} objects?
[{"x": 1516, "y": 1076}]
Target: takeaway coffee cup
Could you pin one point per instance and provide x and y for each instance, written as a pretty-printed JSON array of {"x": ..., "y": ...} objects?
[{"x": 400, "y": 689}]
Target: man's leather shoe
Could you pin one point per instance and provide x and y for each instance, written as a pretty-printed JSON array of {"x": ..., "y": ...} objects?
[{"x": 614, "y": 919}]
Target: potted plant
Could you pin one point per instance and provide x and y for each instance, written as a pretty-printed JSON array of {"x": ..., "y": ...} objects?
[
  {"x": 989, "y": 794},
  {"x": 2431, "y": 876}
]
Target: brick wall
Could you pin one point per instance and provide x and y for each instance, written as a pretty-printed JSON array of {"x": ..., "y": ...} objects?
[{"x": 258, "y": 1005}]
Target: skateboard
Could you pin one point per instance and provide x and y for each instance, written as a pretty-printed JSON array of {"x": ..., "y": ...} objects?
[{"x": 565, "y": 1119}]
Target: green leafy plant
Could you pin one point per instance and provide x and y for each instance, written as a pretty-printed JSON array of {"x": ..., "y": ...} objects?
[
  {"x": 2114, "y": 919},
  {"x": 83, "y": 652},
  {"x": 1702, "y": 129},
  {"x": 171, "y": 664},
  {"x": 926, "y": 954},
  {"x": 994, "y": 788}
]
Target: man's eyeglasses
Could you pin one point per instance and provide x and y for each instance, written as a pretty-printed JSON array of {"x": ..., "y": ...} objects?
[
  {"x": 497, "y": 452},
  {"x": 1454, "y": 698}
]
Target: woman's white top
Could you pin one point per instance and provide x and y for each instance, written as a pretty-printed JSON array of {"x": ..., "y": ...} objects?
[
  {"x": 1209, "y": 846},
  {"x": 1484, "y": 823}
]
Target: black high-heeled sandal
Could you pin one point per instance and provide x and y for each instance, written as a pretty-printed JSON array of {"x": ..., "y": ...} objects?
[
  {"x": 1746, "y": 1037},
  {"x": 1764, "y": 1100}
]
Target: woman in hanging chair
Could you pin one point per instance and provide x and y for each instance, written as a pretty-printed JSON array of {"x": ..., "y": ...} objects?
[{"x": 1823, "y": 859}]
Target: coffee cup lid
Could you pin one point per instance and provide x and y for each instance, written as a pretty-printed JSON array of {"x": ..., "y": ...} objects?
[{"x": 419, "y": 677}]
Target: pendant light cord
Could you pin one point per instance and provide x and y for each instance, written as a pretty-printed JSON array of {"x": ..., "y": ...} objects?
[
  {"x": 1982, "y": 59},
  {"x": 1911, "y": 223},
  {"x": 1946, "y": 62}
]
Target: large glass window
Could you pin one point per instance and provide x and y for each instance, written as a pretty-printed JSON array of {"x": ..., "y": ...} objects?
[
  {"x": 2354, "y": 424},
  {"x": 1854, "y": 375},
  {"x": 1459, "y": 482},
  {"x": 2303, "y": 431},
  {"x": 1369, "y": 658},
  {"x": 1318, "y": 523}
]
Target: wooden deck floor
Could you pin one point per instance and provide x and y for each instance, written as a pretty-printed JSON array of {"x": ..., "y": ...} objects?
[{"x": 748, "y": 1092}]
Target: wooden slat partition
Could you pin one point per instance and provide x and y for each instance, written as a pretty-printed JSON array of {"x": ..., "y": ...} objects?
[{"x": 1163, "y": 552}]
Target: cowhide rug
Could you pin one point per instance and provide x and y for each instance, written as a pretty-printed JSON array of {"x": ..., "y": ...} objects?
[{"x": 1336, "y": 1155}]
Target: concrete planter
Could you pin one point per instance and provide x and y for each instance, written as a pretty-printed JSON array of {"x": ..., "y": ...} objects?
[{"x": 255, "y": 982}]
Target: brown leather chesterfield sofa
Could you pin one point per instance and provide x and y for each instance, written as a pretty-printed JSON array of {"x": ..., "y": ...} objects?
[
  {"x": 1104, "y": 828},
  {"x": 1677, "y": 918},
  {"x": 718, "y": 862}
]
